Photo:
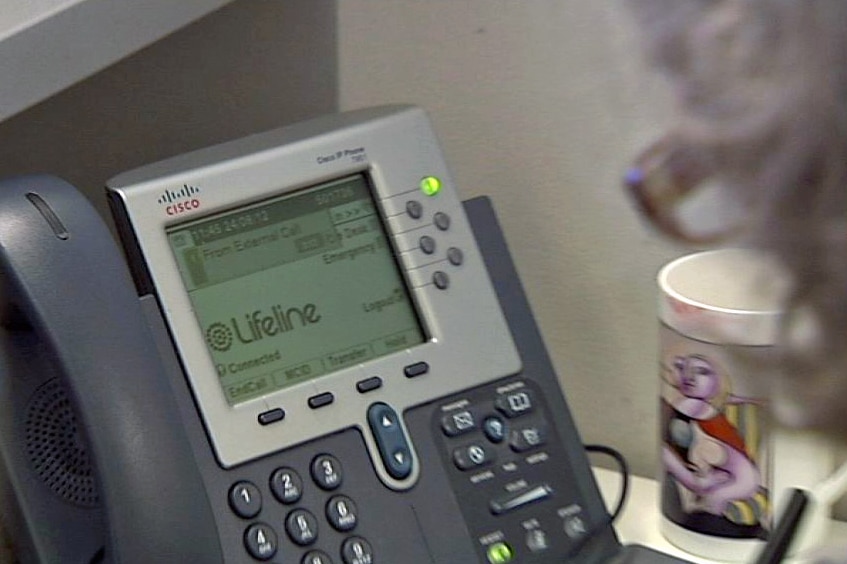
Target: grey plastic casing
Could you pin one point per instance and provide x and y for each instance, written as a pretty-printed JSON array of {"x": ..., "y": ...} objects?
[
  {"x": 68, "y": 313},
  {"x": 68, "y": 303},
  {"x": 469, "y": 341}
]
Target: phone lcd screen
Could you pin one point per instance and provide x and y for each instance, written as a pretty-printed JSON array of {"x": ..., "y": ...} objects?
[{"x": 295, "y": 287}]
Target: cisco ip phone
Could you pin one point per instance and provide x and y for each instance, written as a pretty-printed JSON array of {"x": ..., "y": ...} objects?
[{"x": 314, "y": 352}]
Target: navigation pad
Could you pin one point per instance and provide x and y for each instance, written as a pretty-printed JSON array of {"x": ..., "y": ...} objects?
[{"x": 391, "y": 441}]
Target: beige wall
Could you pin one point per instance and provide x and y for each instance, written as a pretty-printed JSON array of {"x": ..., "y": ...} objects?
[
  {"x": 251, "y": 66},
  {"x": 541, "y": 104}
]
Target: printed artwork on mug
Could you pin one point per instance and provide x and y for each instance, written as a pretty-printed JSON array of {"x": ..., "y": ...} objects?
[{"x": 714, "y": 452}]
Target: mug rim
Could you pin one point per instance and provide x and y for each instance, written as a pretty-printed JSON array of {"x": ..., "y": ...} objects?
[
  {"x": 666, "y": 287},
  {"x": 716, "y": 324}
]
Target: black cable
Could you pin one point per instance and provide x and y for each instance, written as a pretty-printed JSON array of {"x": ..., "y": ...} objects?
[
  {"x": 622, "y": 497},
  {"x": 780, "y": 538},
  {"x": 624, "y": 470}
]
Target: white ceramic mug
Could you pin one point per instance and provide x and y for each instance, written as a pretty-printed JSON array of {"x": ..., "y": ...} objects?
[{"x": 725, "y": 466}]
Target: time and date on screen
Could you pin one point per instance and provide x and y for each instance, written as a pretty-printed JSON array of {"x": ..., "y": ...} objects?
[{"x": 294, "y": 288}]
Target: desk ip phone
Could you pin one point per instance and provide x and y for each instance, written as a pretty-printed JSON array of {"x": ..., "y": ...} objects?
[{"x": 318, "y": 355}]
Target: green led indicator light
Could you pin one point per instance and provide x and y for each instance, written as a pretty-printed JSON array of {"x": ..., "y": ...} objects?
[
  {"x": 500, "y": 553},
  {"x": 431, "y": 185}
]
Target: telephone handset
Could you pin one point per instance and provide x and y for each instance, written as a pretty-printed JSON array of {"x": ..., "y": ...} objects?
[
  {"x": 67, "y": 292},
  {"x": 328, "y": 359}
]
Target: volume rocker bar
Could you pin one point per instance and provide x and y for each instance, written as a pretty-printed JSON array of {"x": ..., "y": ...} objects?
[{"x": 517, "y": 500}]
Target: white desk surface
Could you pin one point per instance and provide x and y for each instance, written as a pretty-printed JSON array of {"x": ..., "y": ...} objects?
[
  {"x": 639, "y": 522},
  {"x": 48, "y": 45}
]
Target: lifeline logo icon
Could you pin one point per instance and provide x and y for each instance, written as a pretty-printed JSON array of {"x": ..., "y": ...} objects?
[
  {"x": 180, "y": 201},
  {"x": 219, "y": 336},
  {"x": 259, "y": 324}
]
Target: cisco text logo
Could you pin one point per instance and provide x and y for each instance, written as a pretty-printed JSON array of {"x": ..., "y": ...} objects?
[{"x": 180, "y": 201}]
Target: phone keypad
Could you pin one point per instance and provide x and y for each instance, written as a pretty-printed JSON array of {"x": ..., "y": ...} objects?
[{"x": 301, "y": 526}]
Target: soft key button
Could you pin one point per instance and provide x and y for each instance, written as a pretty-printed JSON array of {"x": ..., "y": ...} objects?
[
  {"x": 321, "y": 400},
  {"x": 416, "y": 369},
  {"x": 391, "y": 441},
  {"x": 271, "y": 416},
  {"x": 369, "y": 384}
]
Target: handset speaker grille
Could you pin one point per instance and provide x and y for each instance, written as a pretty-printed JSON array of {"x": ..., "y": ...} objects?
[{"x": 56, "y": 449}]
